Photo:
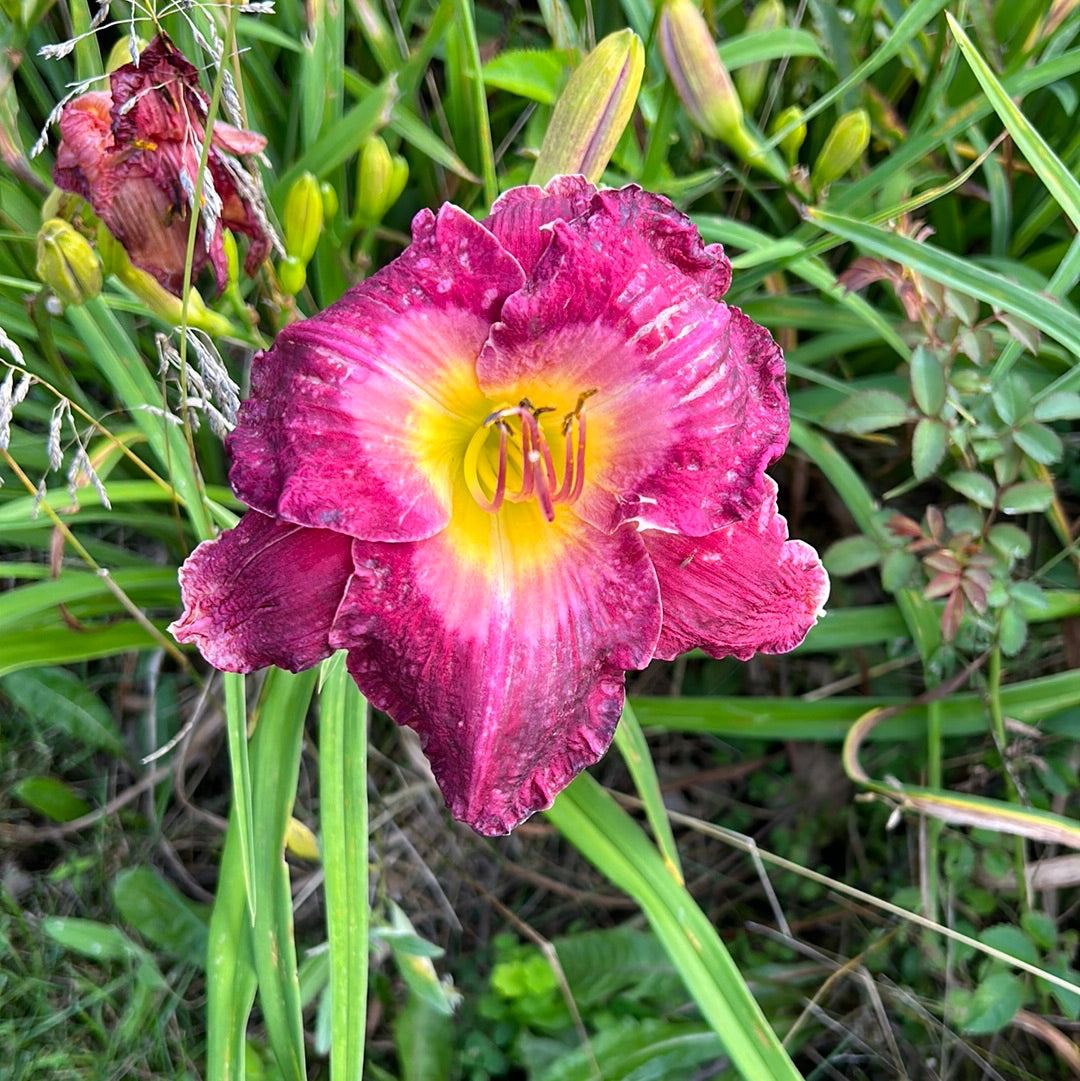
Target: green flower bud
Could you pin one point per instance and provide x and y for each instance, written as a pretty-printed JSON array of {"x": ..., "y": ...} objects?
[
  {"x": 374, "y": 179},
  {"x": 329, "y": 200},
  {"x": 697, "y": 72},
  {"x": 154, "y": 295},
  {"x": 750, "y": 80},
  {"x": 302, "y": 221},
  {"x": 399, "y": 177},
  {"x": 67, "y": 263},
  {"x": 795, "y": 138},
  {"x": 843, "y": 147},
  {"x": 593, "y": 110},
  {"x": 292, "y": 275}
]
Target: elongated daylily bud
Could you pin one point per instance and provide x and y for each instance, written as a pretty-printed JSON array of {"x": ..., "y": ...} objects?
[
  {"x": 67, "y": 263},
  {"x": 750, "y": 80},
  {"x": 795, "y": 138},
  {"x": 153, "y": 294},
  {"x": 593, "y": 110},
  {"x": 302, "y": 220},
  {"x": 381, "y": 178},
  {"x": 697, "y": 72},
  {"x": 843, "y": 147}
]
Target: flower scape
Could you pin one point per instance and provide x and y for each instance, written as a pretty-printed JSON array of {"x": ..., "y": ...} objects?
[{"x": 525, "y": 457}]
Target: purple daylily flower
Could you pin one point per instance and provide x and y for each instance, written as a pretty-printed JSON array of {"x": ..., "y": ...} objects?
[{"x": 524, "y": 457}]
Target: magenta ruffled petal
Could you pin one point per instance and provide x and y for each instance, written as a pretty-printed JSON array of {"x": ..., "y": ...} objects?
[
  {"x": 742, "y": 590},
  {"x": 689, "y": 406},
  {"x": 263, "y": 593},
  {"x": 518, "y": 215},
  {"x": 512, "y": 675},
  {"x": 333, "y": 435}
]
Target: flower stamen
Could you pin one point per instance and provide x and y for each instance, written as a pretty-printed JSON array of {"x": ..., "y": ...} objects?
[{"x": 531, "y": 458}]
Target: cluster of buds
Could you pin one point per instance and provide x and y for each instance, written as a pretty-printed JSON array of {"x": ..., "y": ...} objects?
[{"x": 67, "y": 262}]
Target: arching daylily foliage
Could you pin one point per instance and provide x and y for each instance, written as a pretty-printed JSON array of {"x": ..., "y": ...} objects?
[{"x": 524, "y": 457}]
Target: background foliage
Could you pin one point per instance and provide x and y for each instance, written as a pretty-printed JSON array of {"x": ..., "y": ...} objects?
[{"x": 903, "y": 906}]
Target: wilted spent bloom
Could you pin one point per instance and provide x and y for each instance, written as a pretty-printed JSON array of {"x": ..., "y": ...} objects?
[
  {"x": 67, "y": 263},
  {"x": 844, "y": 145},
  {"x": 522, "y": 458},
  {"x": 133, "y": 153},
  {"x": 302, "y": 220},
  {"x": 593, "y": 110}
]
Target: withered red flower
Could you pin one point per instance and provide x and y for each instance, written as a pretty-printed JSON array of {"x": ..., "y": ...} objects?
[
  {"x": 133, "y": 153},
  {"x": 522, "y": 458}
]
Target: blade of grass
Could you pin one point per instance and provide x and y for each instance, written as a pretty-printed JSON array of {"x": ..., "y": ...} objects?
[
  {"x": 605, "y": 834},
  {"x": 1049, "y": 168},
  {"x": 1029, "y": 701},
  {"x": 236, "y": 728},
  {"x": 275, "y": 764},
  {"x": 1055, "y": 320},
  {"x": 343, "y": 814},
  {"x": 470, "y": 80},
  {"x": 630, "y": 741}
]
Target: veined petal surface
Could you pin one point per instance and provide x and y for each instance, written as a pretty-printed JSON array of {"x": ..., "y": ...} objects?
[
  {"x": 356, "y": 414},
  {"x": 742, "y": 590},
  {"x": 518, "y": 215},
  {"x": 689, "y": 405},
  {"x": 263, "y": 593},
  {"x": 507, "y": 659}
]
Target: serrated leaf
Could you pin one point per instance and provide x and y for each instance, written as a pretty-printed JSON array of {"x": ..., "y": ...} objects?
[
  {"x": 896, "y": 570},
  {"x": 1030, "y": 594},
  {"x": 1012, "y": 630},
  {"x": 994, "y": 1004},
  {"x": 1039, "y": 443},
  {"x": 1068, "y": 1001},
  {"x": 964, "y": 518},
  {"x": 851, "y": 555},
  {"x": 1040, "y": 928},
  {"x": 928, "y": 447},
  {"x": 1011, "y": 398},
  {"x": 1010, "y": 540},
  {"x": 50, "y": 797},
  {"x": 964, "y": 307},
  {"x": 927, "y": 380},
  {"x": 161, "y": 914},
  {"x": 1027, "y": 497},
  {"x": 1061, "y": 405},
  {"x": 57, "y": 698},
  {"x": 529, "y": 73},
  {"x": 977, "y": 487},
  {"x": 867, "y": 411},
  {"x": 1012, "y": 940}
]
